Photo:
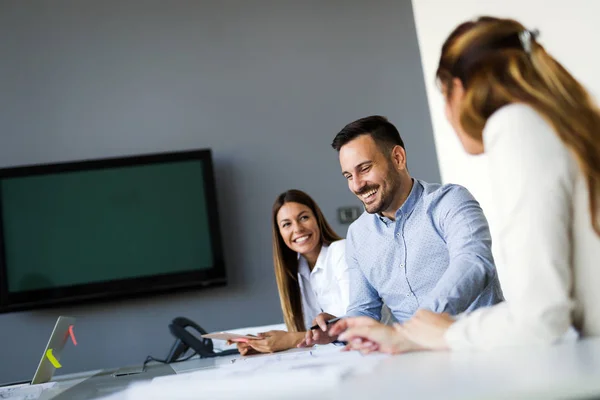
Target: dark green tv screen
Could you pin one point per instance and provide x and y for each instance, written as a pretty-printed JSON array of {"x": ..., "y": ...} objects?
[{"x": 108, "y": 228}]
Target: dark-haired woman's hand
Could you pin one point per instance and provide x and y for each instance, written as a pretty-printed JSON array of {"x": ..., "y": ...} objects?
[
  {"x": 272, "y": 341},
  {"x": 245, "y": 349}
]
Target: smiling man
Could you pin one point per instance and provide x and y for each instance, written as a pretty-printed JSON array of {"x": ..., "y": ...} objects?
[{"x": 418, "y": 245}]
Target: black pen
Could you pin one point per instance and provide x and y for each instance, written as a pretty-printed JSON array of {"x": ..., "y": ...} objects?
[{"x": 331, "y": 321}]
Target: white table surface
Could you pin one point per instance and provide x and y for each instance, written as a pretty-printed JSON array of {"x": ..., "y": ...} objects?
[{"x": 569, "y": 370}]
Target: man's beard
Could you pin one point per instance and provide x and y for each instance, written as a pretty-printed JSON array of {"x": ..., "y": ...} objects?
[
  {"x": 376, "y": 206},
  {"x": 392, "y": 186}
]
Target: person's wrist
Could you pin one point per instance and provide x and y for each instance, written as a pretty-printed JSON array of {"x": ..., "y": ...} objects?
[{"x": 296, "y": 338}]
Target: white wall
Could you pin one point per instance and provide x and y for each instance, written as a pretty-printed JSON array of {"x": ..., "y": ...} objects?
[{"x": 569, "y": 30}]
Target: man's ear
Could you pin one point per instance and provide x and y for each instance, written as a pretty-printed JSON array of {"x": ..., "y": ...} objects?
[{"x": 399, "y": 157}]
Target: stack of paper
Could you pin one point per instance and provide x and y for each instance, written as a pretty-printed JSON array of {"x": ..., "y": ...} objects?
[
  {"x": 317, "y": 383},
  {"x": 293, "y": 374},
  {"x": 24, "y": 391}
]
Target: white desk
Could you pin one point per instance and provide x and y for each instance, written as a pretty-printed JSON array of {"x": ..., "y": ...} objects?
[{"x": 570, "y": 370}]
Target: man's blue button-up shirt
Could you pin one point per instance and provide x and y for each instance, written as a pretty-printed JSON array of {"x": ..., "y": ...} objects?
[{"x": 435, "y": 255}]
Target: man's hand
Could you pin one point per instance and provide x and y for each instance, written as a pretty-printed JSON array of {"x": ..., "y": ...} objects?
[
  {"x": 322, "y": 319},
  {"x": 368, "y": 337},
  {"x": 428, "y": 329},
  {"x": 354, "y": 322},
  {"x": 319, "y": 335}
]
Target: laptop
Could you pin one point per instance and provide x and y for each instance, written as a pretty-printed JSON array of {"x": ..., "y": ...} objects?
[{"x": 61, "y": 333}]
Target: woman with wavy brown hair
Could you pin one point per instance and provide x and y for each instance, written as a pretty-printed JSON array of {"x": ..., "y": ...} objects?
[
  {"x": 310, "y": 269},
  {"x": 540, "y": 130}
]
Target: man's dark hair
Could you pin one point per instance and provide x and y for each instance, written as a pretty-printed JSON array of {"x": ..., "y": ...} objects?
[{"x": 383, "y": 132}]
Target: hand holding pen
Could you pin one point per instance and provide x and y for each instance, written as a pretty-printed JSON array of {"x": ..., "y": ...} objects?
[
  {"x": 317, "y": 334},
  {"x": 323, "y": 324}
]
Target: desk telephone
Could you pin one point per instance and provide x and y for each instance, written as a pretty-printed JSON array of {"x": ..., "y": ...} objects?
[{"x": 182, "y": 329}]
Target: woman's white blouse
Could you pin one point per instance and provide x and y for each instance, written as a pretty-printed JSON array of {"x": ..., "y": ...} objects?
[
  {"x": 326, "y": 287},
  {"x": 546, "y": 252}
]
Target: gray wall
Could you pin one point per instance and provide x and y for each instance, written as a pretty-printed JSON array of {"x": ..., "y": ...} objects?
[{"x": 265, "y": 84}]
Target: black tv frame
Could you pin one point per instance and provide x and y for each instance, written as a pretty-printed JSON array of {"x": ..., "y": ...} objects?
[{"x": 123, "y": 288}]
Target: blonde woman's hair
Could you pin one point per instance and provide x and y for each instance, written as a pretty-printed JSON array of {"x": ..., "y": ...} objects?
[
  {"x": 499, "y": 62},
  {"x": 285, "y": 260}
]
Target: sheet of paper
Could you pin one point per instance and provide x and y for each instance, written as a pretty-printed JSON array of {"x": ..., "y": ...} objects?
[
  {"x": 228, "y": 336},
  {"x": 253, "y": 330},
  {"x": 318, "y": 357},
  {"x": 239, "y": 366},
  {"x": 24, "y": 391},
  {"x": 301, "y": 383},
  {"x": 293, "y": 359},
  {"x": 293, "y": 374}
]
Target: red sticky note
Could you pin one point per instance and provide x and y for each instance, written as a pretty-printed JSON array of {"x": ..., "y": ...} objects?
[{"x": 72, "y": 335}]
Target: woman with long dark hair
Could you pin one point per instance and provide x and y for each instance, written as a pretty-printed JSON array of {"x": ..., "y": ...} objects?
[{"x": 310, "y": 269}]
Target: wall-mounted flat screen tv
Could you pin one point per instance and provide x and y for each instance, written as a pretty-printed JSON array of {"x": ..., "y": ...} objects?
[{"x": 101, "y": 229}]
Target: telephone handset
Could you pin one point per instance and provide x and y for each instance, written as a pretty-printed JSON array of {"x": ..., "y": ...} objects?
[{"x": 181, "y": 328}]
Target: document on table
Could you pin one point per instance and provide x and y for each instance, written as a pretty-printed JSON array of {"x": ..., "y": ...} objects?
[
  {"x": 253, "y": 330},
  {"x": 292, "y": 359},
  {"x": 298, "y": 384},
  {"x": 293, "y": 374},
  {"x": 24, "y": 391},
  {"x": 250, "y": 365}
]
